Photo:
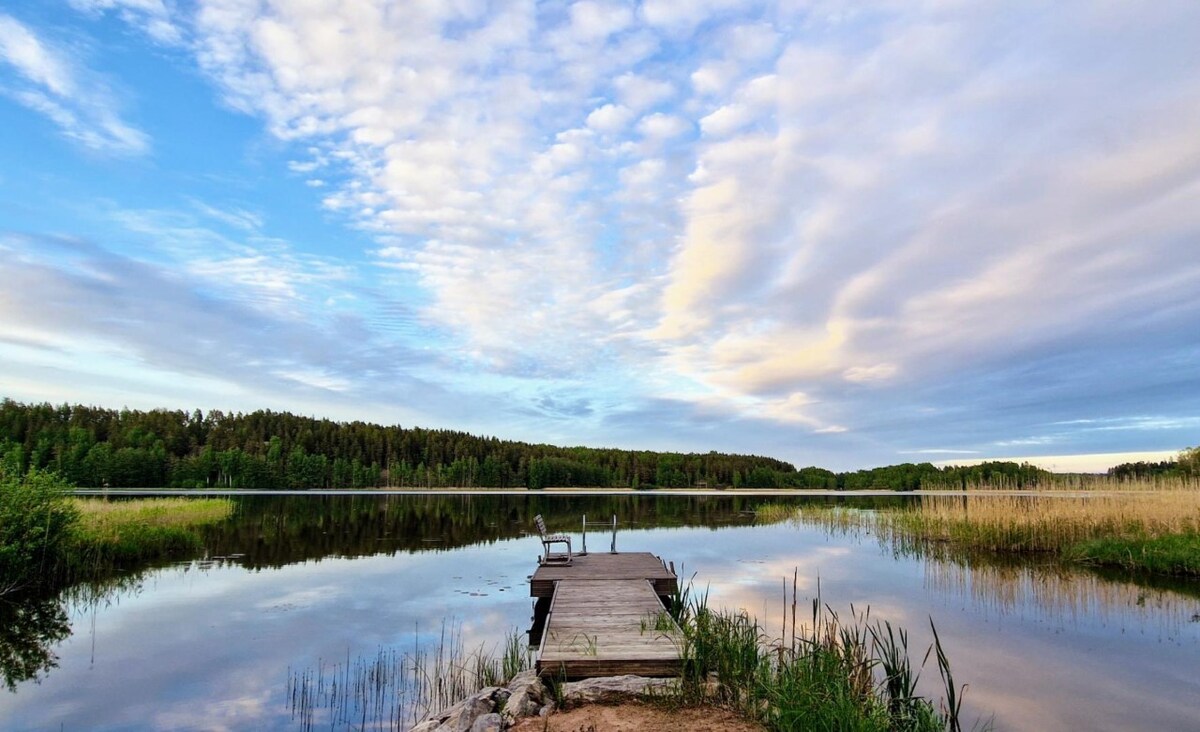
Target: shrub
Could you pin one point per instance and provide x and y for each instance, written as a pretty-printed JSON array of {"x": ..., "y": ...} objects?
[{"x": 35, "y": 522}]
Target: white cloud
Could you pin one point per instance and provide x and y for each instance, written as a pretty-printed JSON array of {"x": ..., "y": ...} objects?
[
  {"x": 918, "y": 204},
  {"x": 726, "y": 120},
  {"x": 473, "y": 149},
  {"x": 32, "y": 58},
  {"x": 640, "y": 92},
  {"x": 594, "y": 21},
  {"x": 756, "y": 208},
  {"x": 152, "y": 16},
  {"x": 659, "y": 126},
  {"x": 609, "y": 119},
  {"x": 683, "y": 17},
  {"x": 250, "y": 267},
  {"x": 714, "y": 77},
  {"x": 642, "y": 175},
  {"x": 878, "y": 372},
  {"x": 74, "y": 99}
]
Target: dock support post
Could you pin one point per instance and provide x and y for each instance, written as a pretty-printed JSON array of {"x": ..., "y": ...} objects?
[{"x": 613, "y": 549}]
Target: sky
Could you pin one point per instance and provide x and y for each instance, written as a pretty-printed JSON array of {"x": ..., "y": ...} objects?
[{"x": 838, "y": 233}]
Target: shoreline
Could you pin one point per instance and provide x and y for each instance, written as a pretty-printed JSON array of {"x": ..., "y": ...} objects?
[{"x": 700, "y": 492}]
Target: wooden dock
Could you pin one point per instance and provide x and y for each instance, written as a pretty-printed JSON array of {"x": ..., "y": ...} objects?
[{"x": 603, "y": 615}]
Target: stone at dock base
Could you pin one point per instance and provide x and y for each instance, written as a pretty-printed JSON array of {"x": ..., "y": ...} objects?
[
  {"x": 495, "y": 708},
  {"x": 461, "y": 717},
  {"x": 527, "y": 695},
  {"x": 611, "y": 689},
  {"x": 488, "y": 723}
]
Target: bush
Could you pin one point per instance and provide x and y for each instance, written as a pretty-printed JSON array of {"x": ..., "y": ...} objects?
[{"x": 35, "y": 521}]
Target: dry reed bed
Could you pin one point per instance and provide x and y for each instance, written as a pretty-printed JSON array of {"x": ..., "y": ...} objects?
[
  {"x": 1024, "y": 523},
  {"x": 1147, "y": 525}
]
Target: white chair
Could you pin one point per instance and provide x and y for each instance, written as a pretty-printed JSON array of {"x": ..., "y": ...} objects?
[{"x": 548, "y": 539}]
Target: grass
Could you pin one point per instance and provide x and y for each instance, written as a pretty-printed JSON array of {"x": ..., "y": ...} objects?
[
  {"x": 773, "y": 513},
  {"x": 659, "y": 622},
  {"x": 146, "y": 529},
  {"x": 1177, "y": 554},
  {"x": 829, "y": 673},
  {"x": 49, "y": 539},
  {"x": 1145, "y": 526}
]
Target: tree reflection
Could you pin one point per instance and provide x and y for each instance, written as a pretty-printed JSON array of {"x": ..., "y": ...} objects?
[{"x": 30, "y": 627}]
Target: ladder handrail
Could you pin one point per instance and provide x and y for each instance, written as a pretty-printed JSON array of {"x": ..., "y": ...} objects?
[{"x": 612, "y": 549}]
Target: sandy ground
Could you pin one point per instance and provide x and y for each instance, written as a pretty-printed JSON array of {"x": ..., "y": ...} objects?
[{"x": 637, "y": 717}]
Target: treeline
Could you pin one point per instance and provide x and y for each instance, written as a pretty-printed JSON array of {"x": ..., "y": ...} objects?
[
  {"x": 1185, "y": 465},
  {"x": 97, "y": 447},
  {"x": 91, "y": 446},
  {"x": 911, "y": 476}
]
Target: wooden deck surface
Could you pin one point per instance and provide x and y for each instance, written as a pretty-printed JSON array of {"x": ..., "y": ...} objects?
[
  {"x": 604, "y": 566},
  {"x": 606, "y": 618}
]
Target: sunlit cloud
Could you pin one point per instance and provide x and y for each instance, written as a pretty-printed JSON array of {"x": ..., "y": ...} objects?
[{"x": 848, "y": 230}]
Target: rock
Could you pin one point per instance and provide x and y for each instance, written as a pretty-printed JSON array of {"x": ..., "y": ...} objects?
[
  {"x": 498, "y": 694},
  {"x": 527, "y": 694},
  {"x": 523, "y": 679},
  {"x": 610, "y": 689},
  {"x": 429, "y": 725},
  {"x": 461, "y": 716},
  {"x": 488, "y": 723},
  {"x": 547, "y": 710}
]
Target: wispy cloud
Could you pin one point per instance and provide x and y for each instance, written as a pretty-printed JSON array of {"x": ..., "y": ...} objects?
[
  {"x": 50, "y": 82},
  {"x": 226, "y": 248},
  {"x": 870, "y": 204},
  {"x": 154, "y": 17},
  {"x": 172, "y": 320},
  {"x": 864, "y": 228}
]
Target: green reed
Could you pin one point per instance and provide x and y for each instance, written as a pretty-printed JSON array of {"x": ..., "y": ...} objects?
[
  {"x": 395, "y": 689},
  {"x": 828, "y": 673}
]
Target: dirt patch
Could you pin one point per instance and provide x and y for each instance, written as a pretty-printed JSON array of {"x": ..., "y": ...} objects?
[{"x": 638, "y": 717}]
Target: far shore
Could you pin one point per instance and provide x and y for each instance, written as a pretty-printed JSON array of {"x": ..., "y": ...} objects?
[{"x": 775, "y": 492}]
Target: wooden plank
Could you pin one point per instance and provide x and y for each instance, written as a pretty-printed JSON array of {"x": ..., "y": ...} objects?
[
  {"x": 631, "y": 565},
  {"x": 607, "y": 625}
]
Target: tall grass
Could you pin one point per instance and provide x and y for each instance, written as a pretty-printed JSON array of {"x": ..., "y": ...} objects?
[
  {"x": 1152, "y": 526},
  {"x": 394, "y": 690},
  {"x": 829, "y": 673},
  {"x": 100, "y": 517},
  {"x": 773, "y": 513},
  {"x": 126, "y": 532}
]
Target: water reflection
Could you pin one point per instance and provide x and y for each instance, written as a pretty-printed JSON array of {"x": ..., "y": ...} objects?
[
  {"x": 272, "y": 531},
  {"x": 1070, "y": 594},
  {"x": 297, "y": 582},
  {"x": 30, "y": 627}
]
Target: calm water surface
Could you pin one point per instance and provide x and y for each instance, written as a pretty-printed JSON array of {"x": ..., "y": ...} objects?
[{"x": 294, "y": 582}]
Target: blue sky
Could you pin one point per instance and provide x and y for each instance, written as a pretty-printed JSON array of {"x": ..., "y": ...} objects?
[{"x": 839, "y": 233}]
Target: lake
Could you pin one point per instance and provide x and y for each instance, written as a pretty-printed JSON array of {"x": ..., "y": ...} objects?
[{"x": 303, "y": 582}]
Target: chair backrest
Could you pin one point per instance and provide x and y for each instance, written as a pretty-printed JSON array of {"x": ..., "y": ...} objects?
[{"x": 541, "y": 524}]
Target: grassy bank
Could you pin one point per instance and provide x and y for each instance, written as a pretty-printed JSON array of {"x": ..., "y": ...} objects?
[
  {"x": 49, "y": 539},
  {"x": 127, "y": 532},
  {"x": 1152, "y": 527},
  {"x": 1177, "y": 554}
]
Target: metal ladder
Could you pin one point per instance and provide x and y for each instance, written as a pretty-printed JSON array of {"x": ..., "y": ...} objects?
[{"x": 612, "y": 549}]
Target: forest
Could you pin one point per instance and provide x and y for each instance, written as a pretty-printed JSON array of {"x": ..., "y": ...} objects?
[{"x": 100, "y": 447}]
